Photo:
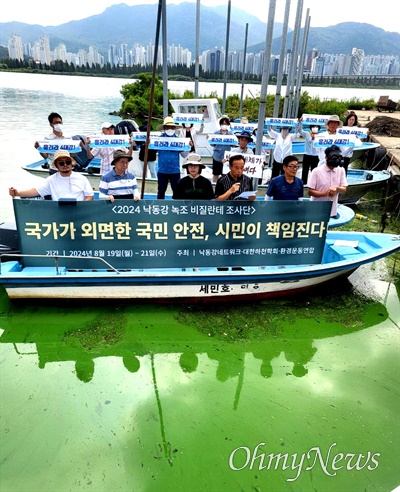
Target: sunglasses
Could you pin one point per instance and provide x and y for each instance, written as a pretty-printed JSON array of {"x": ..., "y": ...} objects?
[{"x": 67, "y": 162}]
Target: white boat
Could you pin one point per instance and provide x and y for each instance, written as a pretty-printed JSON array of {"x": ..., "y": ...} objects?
[
  {"x": 148, "y": 252},
  {"x": 196, "y": 284}
]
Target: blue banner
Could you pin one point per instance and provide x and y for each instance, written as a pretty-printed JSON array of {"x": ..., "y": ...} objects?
[{"x": 172, "y": 234}]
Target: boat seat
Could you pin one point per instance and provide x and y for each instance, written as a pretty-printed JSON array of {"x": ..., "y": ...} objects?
[
  {"x": 344, "y": 251},
  {"x": 44, "y": 270}
]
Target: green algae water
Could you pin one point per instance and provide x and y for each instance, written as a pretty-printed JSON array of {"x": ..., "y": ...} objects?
[{"x": 299, "y": 394}]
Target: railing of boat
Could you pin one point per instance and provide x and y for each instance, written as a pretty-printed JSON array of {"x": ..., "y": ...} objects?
[{"x": 56, "y": 258}]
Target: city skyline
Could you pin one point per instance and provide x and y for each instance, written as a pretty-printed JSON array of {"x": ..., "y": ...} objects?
[{"x": 316, "y": 62}]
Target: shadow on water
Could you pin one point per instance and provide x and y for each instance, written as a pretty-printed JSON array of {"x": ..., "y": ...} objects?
[
  {"x": 82, "y": 332},
  {"x": 154, "y": 388}
]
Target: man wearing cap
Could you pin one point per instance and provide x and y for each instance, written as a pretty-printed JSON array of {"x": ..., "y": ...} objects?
[
  {"x": 169, "y": 168},
  {"x": 327, "y": 181},
  {"x": 63, "y": 184},
  {"x": 106, "y": 154},
  {"x": 194, "y": 186},
  {"x": 219, "y": 150},
  {"x": 119, "y": 183},
  {"x": 333, "y": 123}
]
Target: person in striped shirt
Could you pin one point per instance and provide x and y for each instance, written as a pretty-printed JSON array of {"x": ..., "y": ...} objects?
[{"x": 119, "y": 183}]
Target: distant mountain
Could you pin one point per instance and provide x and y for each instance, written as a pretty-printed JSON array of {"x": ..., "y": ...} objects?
[
  {"x": 124, "y": 24},
  {"x": 343, "y": 37}
]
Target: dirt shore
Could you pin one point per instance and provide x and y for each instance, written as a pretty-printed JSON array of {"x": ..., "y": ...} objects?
[{"x": 366, "y": 116}]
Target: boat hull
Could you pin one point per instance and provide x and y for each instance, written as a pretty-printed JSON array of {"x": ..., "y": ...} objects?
[
  {"x": 192, "y": 291},
  {"x": 343, "y": 253}
]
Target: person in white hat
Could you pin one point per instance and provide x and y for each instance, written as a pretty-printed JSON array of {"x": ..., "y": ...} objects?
[
  {"x": 193, "y": 186},
  {"x": 106, "y": 154},
  {"x": 63, "y": 184},
  {"x": 169, "y": 169},
  {"x": 333, "y": 123}
]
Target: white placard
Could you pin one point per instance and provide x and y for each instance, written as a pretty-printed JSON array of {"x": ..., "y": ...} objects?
[
  {"x": 253, "y": 166},
  {"x": 51, "y": 146}
]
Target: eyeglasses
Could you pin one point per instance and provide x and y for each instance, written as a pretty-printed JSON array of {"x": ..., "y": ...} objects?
[
  {"x": 293, "y": 167},
  {"x": 67, "y": 162}
]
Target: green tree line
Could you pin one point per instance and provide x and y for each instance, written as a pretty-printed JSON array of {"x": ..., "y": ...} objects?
[{"x": 183, "y": 72}]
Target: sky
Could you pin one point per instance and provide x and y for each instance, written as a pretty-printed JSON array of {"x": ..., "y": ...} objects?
[{"x": 380, "y": 13}]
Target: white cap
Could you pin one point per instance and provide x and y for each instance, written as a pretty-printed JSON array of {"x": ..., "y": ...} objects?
[{"x": 107, "y": 124}]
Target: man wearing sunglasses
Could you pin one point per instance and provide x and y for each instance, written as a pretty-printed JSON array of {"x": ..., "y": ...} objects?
[
  {"x": 63, "y": 184},
  {"x": 286, "y": 186}
]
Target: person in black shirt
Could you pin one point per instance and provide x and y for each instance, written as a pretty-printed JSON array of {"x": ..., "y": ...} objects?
[
  {"x": 231, "y": 185},
  {"x": 193, "y": 186}
]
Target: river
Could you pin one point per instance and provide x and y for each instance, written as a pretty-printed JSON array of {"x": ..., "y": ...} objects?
[{"x": 123, "y": 396}]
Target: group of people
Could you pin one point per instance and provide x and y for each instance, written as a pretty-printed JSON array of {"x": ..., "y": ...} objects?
[
  {"x": 327, "y": 179},
  {"x": 326, "y": 182}
]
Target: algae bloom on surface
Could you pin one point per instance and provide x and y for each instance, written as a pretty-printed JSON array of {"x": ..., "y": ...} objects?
[{"x": 144, "y": 397}]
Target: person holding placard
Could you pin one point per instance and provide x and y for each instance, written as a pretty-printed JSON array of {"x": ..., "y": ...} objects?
[
  {"x": 333, "y": 123},
  {"x": 56, "y": 123},
  {"x": 219, "y": 150},
  {"x": 283, "y": 147},
  {"x": 106, "y": 154},
  {"x": 310, "y": 156},
  {"x": 244, "y": 139},
  {"x": 189, "y": 131},
  {"x": 169, "y": 168}
]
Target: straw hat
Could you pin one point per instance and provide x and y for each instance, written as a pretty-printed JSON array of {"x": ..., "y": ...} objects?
[
  {"x": 168, "y": 121},
  {"x": 59, "y": 154}
]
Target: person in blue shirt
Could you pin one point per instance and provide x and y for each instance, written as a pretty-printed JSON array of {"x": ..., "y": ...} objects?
[
  {"x": 287, "y": 186},
  {"x": 169, "y": 169}
]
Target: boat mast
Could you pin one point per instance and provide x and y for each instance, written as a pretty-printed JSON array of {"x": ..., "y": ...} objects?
[
  {"x": 197, "y": 55},
  {"x": 301, "y": 64},
  {"x": 265, "y": 76},
  {"x": 164, "y": 58},
  {"x": 288, "y": 104},
  {"x": 152, "y": 89},
  {"x": 243, "y": 69},
  {"x": 281, "y": 60},
  {"x": 228, "y": 23}
]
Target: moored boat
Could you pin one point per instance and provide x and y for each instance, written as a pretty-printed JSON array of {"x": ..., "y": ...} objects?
[{"x": 187, "y": 251}]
